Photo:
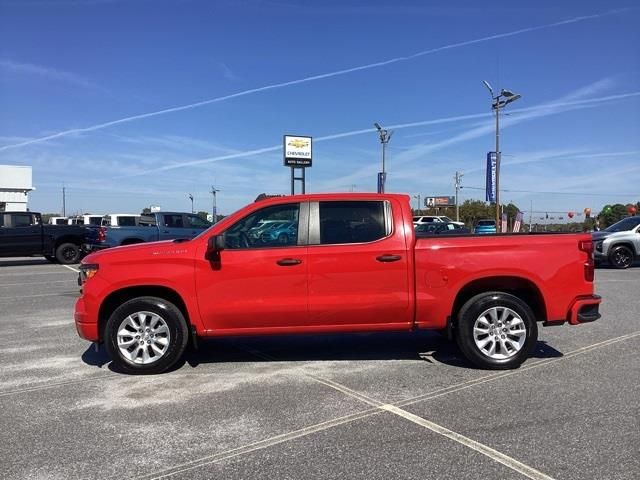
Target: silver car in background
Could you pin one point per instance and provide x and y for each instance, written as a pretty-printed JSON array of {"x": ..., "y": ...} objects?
[{"x": 619, "y": 244}]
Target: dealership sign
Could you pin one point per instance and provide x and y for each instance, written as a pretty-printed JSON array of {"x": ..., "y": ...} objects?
[
  {"x": 435, "y": 202},
  {"x": 297, "y": 151},
  {"x": 491, "y": 177}
]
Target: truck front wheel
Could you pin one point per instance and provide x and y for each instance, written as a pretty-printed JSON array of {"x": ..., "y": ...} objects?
[
  {"x": 146, "y": 335},
  {"x": 496, "y": 330}
]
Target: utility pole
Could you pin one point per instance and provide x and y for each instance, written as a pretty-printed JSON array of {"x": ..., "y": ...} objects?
[
  {"x": 385, "y": 136},
  {"x": 64, "y": 201},
  {"x": 458, "y": 180},
  {"x": 530, "y": 216},
  {"x": 215, "y": 209}
]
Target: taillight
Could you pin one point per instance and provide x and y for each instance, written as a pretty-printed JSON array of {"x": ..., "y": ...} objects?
[
  {"x": 589, "y": 266},
  {"x": 102, "y": 234}
]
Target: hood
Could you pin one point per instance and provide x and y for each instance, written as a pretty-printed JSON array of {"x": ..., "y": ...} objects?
[
  {"x": 595, "y": 236},
  {"x": 139, "y": 251}
]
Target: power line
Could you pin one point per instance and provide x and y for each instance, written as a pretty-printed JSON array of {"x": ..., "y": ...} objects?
[{"x": 562, "y": 193}]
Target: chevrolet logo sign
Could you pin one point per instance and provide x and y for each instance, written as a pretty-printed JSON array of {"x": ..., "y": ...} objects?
[{"x": 298, "y": 143}]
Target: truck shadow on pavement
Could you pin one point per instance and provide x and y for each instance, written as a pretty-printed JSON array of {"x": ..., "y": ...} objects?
[{"x": 428, "y": 347}]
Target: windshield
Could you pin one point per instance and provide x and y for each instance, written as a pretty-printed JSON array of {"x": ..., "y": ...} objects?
[
  {"x": 486, "y": 223},
  {"x": 624, "y": 225}
]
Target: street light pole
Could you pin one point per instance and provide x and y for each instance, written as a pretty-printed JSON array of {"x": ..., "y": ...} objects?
[
  {"x": 417, "y": 197},
  {"x": 385, "y": 136},
  {"x": 497, "y": 102},
  {"x": 191, "y": 198},
  {"x": 214, "y": 212},
  {"x": 497, "y": 108}
]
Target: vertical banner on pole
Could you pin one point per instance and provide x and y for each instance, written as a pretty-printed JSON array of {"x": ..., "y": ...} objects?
[
  {"x": 491, "y": 177},
  {"x": 504, "y": 228}
]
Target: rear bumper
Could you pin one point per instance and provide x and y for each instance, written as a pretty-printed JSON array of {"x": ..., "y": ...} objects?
[
  {"x": 90, "y": 247},
  {"x": 584, "y": 309}
]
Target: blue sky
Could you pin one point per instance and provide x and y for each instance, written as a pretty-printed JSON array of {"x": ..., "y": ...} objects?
[{"x": 138, "y": 102}]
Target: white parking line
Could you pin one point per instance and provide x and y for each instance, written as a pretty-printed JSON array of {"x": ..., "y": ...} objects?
[
  {"x": 269, "y": 442},
  {"x": 211, "y": 459},
  {"x": 495, "y": 455},
  {"x": 71, "y": 268}
]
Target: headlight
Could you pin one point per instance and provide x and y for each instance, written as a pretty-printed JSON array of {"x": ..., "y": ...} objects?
[{"x": 87, "y": 270}]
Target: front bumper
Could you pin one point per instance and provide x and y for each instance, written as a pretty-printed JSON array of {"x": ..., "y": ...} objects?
[{"x": 86, "y": 325}]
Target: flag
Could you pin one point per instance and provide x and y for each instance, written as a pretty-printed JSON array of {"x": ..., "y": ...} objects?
[
  {"x": 504, "y": 228},
  {"x": 517, "y": 223}
]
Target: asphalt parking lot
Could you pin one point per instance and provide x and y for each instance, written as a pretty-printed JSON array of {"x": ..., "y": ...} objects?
[{"x": 381, "y": 406}]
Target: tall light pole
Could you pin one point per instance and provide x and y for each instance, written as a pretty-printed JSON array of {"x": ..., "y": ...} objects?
[
  {"x": 499, "y": 101},
  {"x": 385, "y": 136},
  {"x": 214, "y": 212},
  {"x": 458, "y": 180},
  {"x": 191, "y": 198},
  {"x": 417, "y": 197}
]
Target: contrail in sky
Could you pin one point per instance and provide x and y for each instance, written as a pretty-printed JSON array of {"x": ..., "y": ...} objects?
[
  {"x": 313, "y": 78},
  {"x": 550, "y": 107}
]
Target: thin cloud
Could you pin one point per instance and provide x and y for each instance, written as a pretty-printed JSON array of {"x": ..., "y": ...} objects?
[
  {"x": 312, "y": 78},
  {"x": 531, "y": 113},
  {"x": 46, "y": 72}
]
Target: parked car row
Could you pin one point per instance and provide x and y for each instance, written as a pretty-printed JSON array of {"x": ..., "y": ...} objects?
[
  {"x": 435, "y": 225},
  {"x": 122, "y": 229},
  {"x": 111, "y": 219},
  {"x": 24, "y": 234}
]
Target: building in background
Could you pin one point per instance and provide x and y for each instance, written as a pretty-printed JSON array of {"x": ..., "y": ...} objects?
[{"x": 15, "y": 185}]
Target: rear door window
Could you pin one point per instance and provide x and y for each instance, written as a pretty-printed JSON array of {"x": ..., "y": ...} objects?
[
  {"x": 352, "y": 222},
  {"x": 173, "y": 221}
]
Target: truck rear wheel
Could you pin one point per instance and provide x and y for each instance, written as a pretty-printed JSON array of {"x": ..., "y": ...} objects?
[
  {"x": 68, "y": 253},
  {"x": 146, "y": 335},
  {"x": 496, "y": 330}
]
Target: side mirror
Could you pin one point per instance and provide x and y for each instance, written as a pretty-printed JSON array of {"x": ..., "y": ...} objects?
[{"x": 215, "y": 245}]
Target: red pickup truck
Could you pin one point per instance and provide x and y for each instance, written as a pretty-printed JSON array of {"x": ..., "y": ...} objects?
[{"x": 332, "y": 263}]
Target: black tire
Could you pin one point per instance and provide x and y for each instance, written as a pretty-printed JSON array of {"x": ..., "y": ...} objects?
[
  {"x": 178, "y": 335},
  {"x": 621, "y": 257},
  {"x": 68, "y": 253},
  {"x": 51, "y": 259},
  {"x": 505, "y": 355}
]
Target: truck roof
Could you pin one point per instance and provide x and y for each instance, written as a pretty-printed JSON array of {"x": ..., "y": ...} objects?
[{"x": 335, "y": 196}]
